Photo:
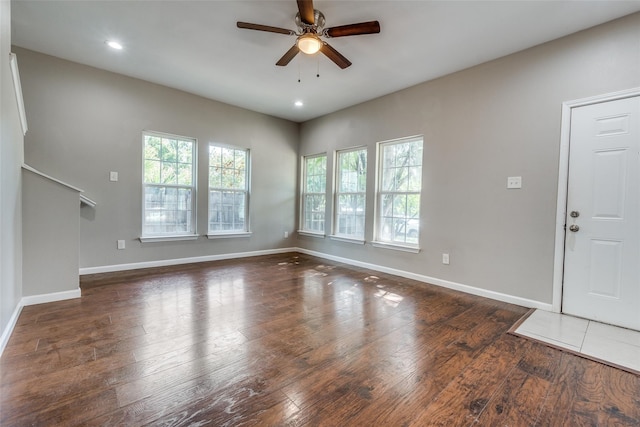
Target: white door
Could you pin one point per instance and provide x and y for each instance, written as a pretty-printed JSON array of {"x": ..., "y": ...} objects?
[{"x": 602, "y": 242}]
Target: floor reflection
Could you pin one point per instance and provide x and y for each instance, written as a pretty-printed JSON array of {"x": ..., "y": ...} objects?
[{"x": 280, "y": 340}]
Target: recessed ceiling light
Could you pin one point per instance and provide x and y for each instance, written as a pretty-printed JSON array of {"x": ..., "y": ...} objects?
[
  {"x": 114, "y": 45},
  {"x": 298, "y": 103}
]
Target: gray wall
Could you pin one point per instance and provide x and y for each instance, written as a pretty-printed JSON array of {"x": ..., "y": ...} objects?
[
  {"x": 480, "y": 126},
  {"x": 86, "y": 122},
  {"x": 50, "y": 235},
  {"x": 11, "y": 151}
]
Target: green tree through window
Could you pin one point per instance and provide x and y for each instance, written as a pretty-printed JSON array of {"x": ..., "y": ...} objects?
[
  {"x": 314, "y": 188},
  {"x": 168, "y": 182},
  {"x": 228, "y": 189},
  {"x": 351, "y": 187},
  {"x": 399, "y": 188}
]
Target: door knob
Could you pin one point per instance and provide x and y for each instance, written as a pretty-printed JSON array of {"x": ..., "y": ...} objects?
[{"x": 574, "y": 228}]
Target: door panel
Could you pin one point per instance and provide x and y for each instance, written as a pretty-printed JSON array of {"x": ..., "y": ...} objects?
[{"x": 602, "y": 243}]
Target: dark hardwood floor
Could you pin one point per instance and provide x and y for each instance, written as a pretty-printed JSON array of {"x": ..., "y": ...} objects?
[{"x": 293, "y": 340}]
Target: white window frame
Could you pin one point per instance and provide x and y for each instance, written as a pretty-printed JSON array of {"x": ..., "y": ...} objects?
[
  {"x": 354, "y": 193},
  {"x": 191, "y": 233},
  {"x": 379, "y": 239},
  {"x": 305, "y": 194},
  {"x": 245, "y": 192}
]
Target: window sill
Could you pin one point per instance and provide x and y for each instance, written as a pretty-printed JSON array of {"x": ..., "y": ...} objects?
[
  {"x": 229, "y": 235},
  {"x": 347, "y": 239},
  {"x": 396, "y": 247},
  {"x": 153, "y": 239},
  {"x": 311, "y": 234}
]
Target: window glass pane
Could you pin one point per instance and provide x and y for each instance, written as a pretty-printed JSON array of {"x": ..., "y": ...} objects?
[
  {"x": 387, "y": 205},
  {"x": 240, "y": 178},
  {"x": 313, "y": 193},
  {"x": 169, "y": 174},
  {"x": 215, "y": 177},
  {"x": 227, "y": 178},
  {"x": 185, "y": 152},
  {"x": 399, "y": 192},
  {"x": 168, "y": 200},
  {"x": 152, "y": 171},
  {"x": 415, "y": 178},
  {"x": 223, "y": 213},
  {"x": 240, "y": 158},
  {"x": 184, "y": 174},
  {"x": 169, "y": 150},
  {"x": 413, "y": 205},
  {"x": 152, "y": 148},
  {"x": 215, "y": 156},
  {"x": 386, "y": 229},
  {"x": 399, "y": 205},
  {"x": 227, "y": 158},
  {"x": 228, "y": 189},
  {"x": 351, "y": 176},
  {"x": 314, "y": 212}
]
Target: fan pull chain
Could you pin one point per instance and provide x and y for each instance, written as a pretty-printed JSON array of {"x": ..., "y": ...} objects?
[
  {"x": 299, "y": 72},
  {"x": 318, "y": 72}
]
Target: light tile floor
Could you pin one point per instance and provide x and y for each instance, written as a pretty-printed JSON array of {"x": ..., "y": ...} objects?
[{"x": 616, "y": 345}]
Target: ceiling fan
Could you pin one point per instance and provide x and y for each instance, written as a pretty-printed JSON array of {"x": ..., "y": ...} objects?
[{"x": 310, "y": 23}]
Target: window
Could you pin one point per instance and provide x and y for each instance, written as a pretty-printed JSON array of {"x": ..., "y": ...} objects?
[
  {"x": 399, "y": 186},
  {"x": 169, "y": 185},
  {"x": 228, "y": 190},
  {"x": 351, "y": 187},
  {"x": 314, "y": 188}
]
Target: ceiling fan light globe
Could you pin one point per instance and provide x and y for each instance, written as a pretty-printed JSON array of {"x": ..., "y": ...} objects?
[{"x": 309, "y": 44}]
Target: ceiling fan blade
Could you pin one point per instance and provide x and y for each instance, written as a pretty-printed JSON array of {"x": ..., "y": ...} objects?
[
  {"x": 267, "y": 28},
  {"x": 371, "y": 27},
  {"x": 287, "y": 57},
  {"x": 335, "y": 56},
  {"x": 305, "y": 7}
]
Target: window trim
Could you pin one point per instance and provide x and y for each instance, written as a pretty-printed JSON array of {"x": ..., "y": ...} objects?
[
  {"x": 348, "y": 240},
  {"x": 247, "y": 223},
  {"x": 160, "y": 237},
  {"x": 229, "y": 235},
  {"x": 336, "y": 184},
  {"x": 303, "y": 194},
  {"x": 377, "y": 241},
  {"x": 171, "y": 238}
]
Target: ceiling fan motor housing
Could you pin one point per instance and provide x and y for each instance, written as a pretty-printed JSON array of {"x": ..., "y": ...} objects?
[{"x": 316, "y": 27}]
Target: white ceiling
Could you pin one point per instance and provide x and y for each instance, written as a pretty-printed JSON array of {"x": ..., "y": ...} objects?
[{"x": 195, "y": 45}]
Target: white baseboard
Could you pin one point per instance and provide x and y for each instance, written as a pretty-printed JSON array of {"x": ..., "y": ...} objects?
[
  {"x": 6, "y": 334},
  {"x": 178, "y": 261},
  {"x": 435, "y": 281},
  {"x": 44, "y": 298},
  {"x": 32, "y": 300}
]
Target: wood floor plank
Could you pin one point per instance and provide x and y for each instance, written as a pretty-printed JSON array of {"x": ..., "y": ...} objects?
[
  {"x": 76, "y": 412},
  {"x": 437, "y": 367},
  {"x": 526, "y": 387},
  {"x": 292, "y": 340},
  {"x": 462, "y": 401}
]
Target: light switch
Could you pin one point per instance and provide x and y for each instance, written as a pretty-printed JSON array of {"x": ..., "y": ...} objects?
[
  {"x": 113, "y": 176},
  {"x": 514, "y": 182}
]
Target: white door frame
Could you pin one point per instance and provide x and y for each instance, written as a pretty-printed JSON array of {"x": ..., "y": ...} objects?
[{"x": 563, "y": 182}]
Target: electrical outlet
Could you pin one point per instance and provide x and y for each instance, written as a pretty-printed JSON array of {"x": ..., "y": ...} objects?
[
  {"x": 121, "y": 244},
  {"x": 286, "y": 234},
  {"x": 113, "y": 176},
  {"x": 445, "y": 259},
  {"x": 514, "y": 182}
]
